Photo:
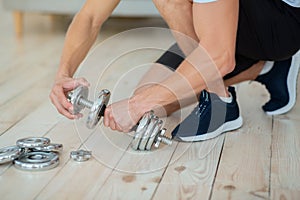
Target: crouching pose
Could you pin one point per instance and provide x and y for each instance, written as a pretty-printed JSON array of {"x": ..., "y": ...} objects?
[{"x": 245, "y": 40}]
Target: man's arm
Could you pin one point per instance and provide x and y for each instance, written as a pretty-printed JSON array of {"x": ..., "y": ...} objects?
[
  {"x": 215, "y": 25},
  {"x": 80, "y": 37}
]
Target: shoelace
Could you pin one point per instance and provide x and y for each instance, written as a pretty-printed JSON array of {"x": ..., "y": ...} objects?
[{"x": 204, "y": 101}]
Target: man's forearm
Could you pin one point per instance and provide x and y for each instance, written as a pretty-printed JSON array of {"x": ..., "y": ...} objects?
[
  {"x": 82, "y": 34},
  {"x": 195, "y": 73},
  {"x": 80, "y": 37}
]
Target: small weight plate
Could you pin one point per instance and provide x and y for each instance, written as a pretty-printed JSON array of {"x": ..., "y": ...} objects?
[
  {"x": 81, "y": 155},
  {"x": 142, "y": 127},
  {"x": 74, "y": 97},
  {"x": 32, "y": 142},
  {"x": 8, "y": 154},
  {"x": 49, "y": 148},
  {"x": 37, "y": 161},
  {"x": 148, "y": 132},
  {"x": 97, "y": 109},
  {"x": 153, "y": 135}
]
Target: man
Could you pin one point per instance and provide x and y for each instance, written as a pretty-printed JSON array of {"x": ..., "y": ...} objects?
[{"x": 238, "y": 35}]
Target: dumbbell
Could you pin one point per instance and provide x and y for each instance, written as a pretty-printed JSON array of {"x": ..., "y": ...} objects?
[{"x": 148, "y": 133}]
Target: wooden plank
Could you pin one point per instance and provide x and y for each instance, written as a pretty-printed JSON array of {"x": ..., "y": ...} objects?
[
  {"x": 28, "y": 52},
  {"x": 34, "y": 58},
  {"x": 32, "y": 125},
  {"x": 14, "y": 110},
  {"x": 285, "y": 159},
  {"x": 192, "y": 170},
  {"x": 19, "y": 85},
  {"x": 19, "y": 77},
  {"x": 244, "y": 167},
  {"x": 138, "y": 173},
  {"x": 285, "y": 194},
  {"x": 87, "y": 177},
  {"x": 108, "y": 148},
  {"x": 13, "y": 177}
]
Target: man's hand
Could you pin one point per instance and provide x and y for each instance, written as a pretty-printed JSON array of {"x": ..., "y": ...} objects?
[
  {"x": 122, "y": 115},
  {"x": 58, "y": 95}
]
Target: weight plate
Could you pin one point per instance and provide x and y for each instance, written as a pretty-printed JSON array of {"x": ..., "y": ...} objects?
[
  {"x": 153, "y": 135},
  {"x": 148, "y": 133},
  {"x": 97, "y": 109},
  {"x": 142, "y": 127},
  {"x": 74, "y": 97},
  {"x": 37, "y": 161},
  {"x": 81, "y": 155},
  {"x": 49, "y": 148},
  {"x": 32, "y": 142},
  {"x": 8, "y": 154}
]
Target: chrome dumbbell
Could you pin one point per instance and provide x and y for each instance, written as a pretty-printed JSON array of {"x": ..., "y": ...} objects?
[
  {"x": 78, "y": 98},
  {"x": 149, "y": 131}
]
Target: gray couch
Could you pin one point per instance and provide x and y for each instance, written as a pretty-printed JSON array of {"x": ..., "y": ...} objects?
[{"x": 128, "y": 8}]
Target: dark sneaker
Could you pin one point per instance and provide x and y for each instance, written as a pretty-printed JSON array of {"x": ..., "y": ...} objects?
[
  {"x": 281, "y": 82},
  {"x": 210, "y": 118}
]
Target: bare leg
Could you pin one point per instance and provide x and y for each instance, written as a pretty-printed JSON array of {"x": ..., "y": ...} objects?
[{"x": 178, "y": 15}]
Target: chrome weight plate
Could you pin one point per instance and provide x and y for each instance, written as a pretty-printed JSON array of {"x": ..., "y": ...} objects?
[
  {"x": 81, "y": 155},
  {"x": 32, "y": 142},
  {"x": 142, "y": 127},
  {"x": 146, "y": 136},
  {"x": 153, "y": 135},
  {"x": 98, "y": 107},
  {"x": 8, "y": 154},
  {"x": 75, "y": 96},
  {"x": 50, "y": 148},
  {"x": 37, "y": 161}
]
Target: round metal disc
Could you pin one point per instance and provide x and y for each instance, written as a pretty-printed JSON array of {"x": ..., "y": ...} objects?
[
  {"x": 49, "y": 148},
  {"x": 142, "y": 127},
  {"x": 98, "y": 107},
  {"x": 148, "y": 133},
  {"x": 8, "y": 154},
  {"x": 32, "y": 142},
  {"x": 153, "y": 135},
  {"x": 74, "y": 97},
  {"x": 37, "y": 161},
  {"x": 81, "y": 155}
]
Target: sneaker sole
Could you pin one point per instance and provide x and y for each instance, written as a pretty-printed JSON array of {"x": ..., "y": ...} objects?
[
  {"x": 292, "y": 87},
  {"x": 228, "y": 126}
]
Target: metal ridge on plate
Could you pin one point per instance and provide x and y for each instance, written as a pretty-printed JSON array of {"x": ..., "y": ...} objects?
[
  {"x": 10, "y": 153},
  {"x": 37, "y": 161}
]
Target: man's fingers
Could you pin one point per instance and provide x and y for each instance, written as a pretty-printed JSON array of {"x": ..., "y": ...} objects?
[
  {"x": 106, "y": 116},
  {"x": 60, "y": 96},
  {"x": 61, "y": 109},
  {"x": 83, "y": 81},
  {"x": 72, "y": 84}
]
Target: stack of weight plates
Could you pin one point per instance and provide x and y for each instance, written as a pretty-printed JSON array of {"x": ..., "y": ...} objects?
[{"x": 32, "y": 154}]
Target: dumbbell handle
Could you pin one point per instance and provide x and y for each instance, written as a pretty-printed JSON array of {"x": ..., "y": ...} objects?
[{"x": 87, "y": 103}]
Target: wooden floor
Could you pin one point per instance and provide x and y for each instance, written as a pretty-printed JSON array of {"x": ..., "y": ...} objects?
[{"x": 259, "y": 161}]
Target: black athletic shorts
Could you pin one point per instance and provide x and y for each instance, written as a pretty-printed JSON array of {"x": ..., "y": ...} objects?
[{"x": 267, "y": 30}]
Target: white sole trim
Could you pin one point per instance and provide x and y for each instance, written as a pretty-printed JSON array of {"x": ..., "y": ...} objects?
[
  {"x": 292, "y": 86},
  {"x": 228, "y": 126}
]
